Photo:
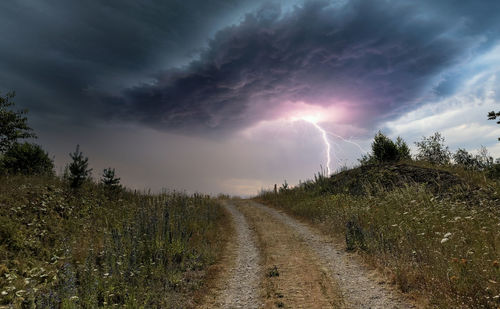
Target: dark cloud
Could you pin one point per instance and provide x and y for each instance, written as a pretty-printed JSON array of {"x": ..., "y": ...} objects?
[
  {"x": 53, "y": 52},
  {"x": 71, "y": 60},
  {"x": 378, "y": 57}
]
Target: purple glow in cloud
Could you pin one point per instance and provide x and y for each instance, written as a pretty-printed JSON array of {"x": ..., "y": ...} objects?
[{"x": 355, "y": 64}]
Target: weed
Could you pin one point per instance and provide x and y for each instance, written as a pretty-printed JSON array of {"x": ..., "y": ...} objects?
[{"x": 273, "y": 272}]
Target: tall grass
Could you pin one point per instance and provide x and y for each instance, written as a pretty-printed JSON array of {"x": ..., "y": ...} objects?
[
  {"x": 444, "y": 244},
  {"x": 96, "y": 248}
]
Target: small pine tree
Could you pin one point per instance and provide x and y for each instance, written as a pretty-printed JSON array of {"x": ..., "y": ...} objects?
[
  {"x": 109, "y": 179},
  {"x": 78, "y": 169}
]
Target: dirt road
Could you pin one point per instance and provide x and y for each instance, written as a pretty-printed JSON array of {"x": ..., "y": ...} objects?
[{"x": 278, "y": 262}]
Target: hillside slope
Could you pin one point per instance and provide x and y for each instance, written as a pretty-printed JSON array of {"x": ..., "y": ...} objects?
[
  {"x": 61, "y": 248},
  {"x": 436, "y": 231}
]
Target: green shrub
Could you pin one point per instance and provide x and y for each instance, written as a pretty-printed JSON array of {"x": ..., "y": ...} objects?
[
  {"x": 480, "y": 162},
  {"x": 385, "y": 150},
  {"x": 27, "y": 159},
  {"x": 433, "y": 150},
  {"x": 493, "y": 171}
]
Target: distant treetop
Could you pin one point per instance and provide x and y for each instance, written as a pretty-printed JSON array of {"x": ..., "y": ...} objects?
[{"x": 13, "y": 124}]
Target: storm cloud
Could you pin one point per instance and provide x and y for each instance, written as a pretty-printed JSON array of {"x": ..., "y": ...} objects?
[
  {"x": 376, "y": 58},
  {"x": 212, "y": 95},
  {"x": 55, "y": 53}
]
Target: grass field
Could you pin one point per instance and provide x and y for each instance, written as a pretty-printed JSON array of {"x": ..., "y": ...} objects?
[
  {"x": 95, "y": 248},
  {"x": 436, "y": 232}
]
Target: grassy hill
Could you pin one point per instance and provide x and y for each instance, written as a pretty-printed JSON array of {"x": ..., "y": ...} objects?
[
  {"x": 92, "y": 247},
  {"x": 434, "y": 230}
]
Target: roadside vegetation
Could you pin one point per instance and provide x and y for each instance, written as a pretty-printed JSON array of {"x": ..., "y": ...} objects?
[
  {"x": 431, "y": 222},
  {"x": 70, "y": 241}
]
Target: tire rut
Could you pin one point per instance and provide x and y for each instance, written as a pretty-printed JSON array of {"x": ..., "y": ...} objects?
[
  {"x": 359, "y": 288},
  {"x": 242, "y": 287}
]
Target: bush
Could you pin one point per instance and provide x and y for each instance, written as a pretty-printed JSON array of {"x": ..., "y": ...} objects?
[
  {"x": 27, "y": 159},
  {"x": 493, "y": 171},
  {"x": 480, "y": 162},
  {"x": 464, "y": 158},
  {"x": 433, "y": 150},
  {"x": 385, "y": 150}
]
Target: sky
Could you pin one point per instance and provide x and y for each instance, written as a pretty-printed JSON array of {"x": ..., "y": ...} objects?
[{"x": 234, "y": 96}]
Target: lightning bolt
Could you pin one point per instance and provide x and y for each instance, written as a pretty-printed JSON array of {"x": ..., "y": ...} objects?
[
  {"x": 326, "y": 141},
  {"x": 348, "y": 141}
]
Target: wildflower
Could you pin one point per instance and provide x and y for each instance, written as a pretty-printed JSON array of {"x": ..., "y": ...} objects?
[
  {"x": 4, "y": 293},
  {"x": 447, "y": 235},
  {"x": 444, "y": 240},
  {"x": 74, "y": 297}
]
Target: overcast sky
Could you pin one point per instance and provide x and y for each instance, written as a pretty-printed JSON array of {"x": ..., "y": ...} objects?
[{"x": 219, "y": 96}]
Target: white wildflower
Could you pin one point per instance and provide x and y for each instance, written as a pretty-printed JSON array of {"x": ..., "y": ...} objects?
[
  {"x": 447, "y": 235},
  {"x": 4, "y": 293},
  {"x": 444, "y": 240}
]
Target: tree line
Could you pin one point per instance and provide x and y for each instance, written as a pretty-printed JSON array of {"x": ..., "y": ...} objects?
[
  {"x": 431, "y": 149},
  {"x": 25, "y": 158}
]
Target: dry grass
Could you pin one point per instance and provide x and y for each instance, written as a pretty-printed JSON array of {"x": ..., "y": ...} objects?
[
  {"x": 443, "y": 244},
  {"x": 94, "y": 248}
]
